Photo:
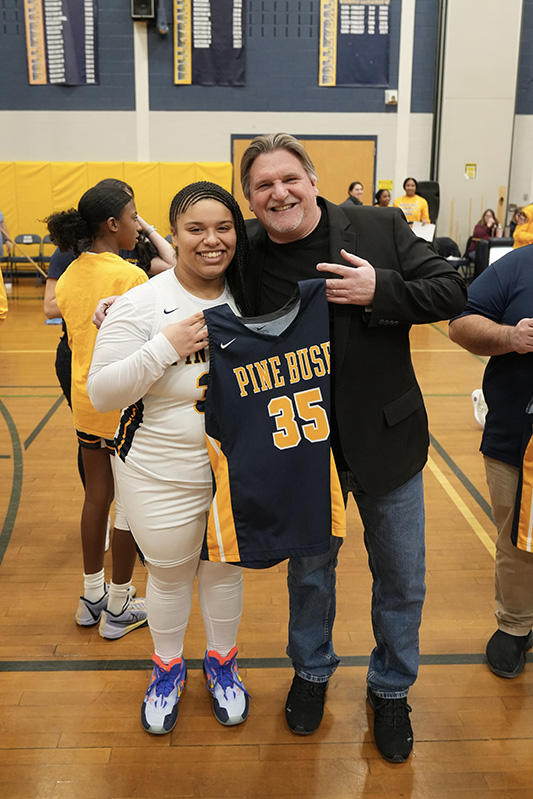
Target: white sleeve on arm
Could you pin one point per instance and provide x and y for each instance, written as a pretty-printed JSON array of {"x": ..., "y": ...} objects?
[{"x": 126, "y": 361}]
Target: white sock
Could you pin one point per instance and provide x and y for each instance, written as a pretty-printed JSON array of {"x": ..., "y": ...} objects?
[
  {"x": 94, "y": 586},
  {"x": 118, "y": 596}
]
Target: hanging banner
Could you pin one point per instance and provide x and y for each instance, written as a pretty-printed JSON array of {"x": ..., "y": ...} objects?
[
  {"x": 208, "y": 42},
  {"x": 354, "y": 43},
  {"x": 61, "y": 41}
]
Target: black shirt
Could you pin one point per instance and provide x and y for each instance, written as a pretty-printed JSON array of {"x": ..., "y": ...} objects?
[{"x": 286, "y": 264}]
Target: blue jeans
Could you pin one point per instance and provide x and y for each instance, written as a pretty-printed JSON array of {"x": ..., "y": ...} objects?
[
  {"x": 312, "y": 606},
  {"x": 394, "y": 539}
]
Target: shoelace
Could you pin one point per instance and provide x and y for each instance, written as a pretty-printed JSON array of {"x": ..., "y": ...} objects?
[
  {"x": 135, "y": 607},
  {"x": 393, "y": 712},
  {"x": 311, "y": 690},
  {"x": 165, "y": 681},
  {"x": 222, "y": 674}
]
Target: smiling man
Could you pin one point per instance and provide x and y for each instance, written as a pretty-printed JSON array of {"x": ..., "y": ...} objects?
[
  {"x": 391, "y": 280},
  {"x": 285, "y": 196}
]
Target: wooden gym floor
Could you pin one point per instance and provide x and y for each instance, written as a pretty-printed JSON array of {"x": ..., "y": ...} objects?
[{"x": 70, "y": 701}]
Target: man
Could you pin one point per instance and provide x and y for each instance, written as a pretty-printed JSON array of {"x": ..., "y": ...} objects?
[
  {"x": 379, "y": 425},
  {"x": 497, "y": 322}
]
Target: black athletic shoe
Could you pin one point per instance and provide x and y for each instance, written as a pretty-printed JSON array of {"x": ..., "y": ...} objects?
[
  {"x": 393, "y": 733},
  {"x": 304, "y": 708},
  {"x": 506, "y": 653}
]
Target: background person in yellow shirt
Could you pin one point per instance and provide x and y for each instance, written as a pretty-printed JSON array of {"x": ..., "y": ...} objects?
[
  {"x": 5, "y": 238},
  {"x": 523, "y": 232},
  {"x": 414, "y": 207},
  {"x": 382, "y": 198},
  {"x": 3, "y": 299},
  {"x": 106, "y": 220}
]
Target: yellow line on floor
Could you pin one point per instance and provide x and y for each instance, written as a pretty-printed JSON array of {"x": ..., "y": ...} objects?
[{"x": 478, "y": 529}]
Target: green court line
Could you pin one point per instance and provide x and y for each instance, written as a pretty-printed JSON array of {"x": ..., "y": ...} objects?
[
  {"x": 348, "y": 661},
  {"x": 446, "y": 335},
  {"x": 439, "y": 330},
  {"x": 27, "y": 396},
  {"x": 31, "y": 438},
  {"x": 12, "y": 296},
  {"x": 16, "y": 485},
  {"x": 11, "y": 386}
]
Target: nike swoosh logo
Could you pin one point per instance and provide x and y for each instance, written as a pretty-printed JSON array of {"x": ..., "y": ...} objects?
[
  {"x": 223, "y": 346},
  {"x": 171, "y": 310}
]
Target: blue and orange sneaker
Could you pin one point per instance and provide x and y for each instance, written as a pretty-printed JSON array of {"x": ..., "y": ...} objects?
[
  {"x": 230, "y": 697},
  {"x": 159, "y": 711}
]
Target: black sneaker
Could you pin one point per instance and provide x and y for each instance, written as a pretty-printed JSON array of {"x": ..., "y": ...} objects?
[
  {"x": 393, "y": 733},
  {"x": 506, "y": 653},
  {"x": 305, "y": 705}
]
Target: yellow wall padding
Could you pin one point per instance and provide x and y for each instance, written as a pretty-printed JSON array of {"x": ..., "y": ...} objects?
[{"x": 31, "y": 190}]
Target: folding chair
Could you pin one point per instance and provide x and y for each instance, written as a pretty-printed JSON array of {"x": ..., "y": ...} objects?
[
  {"x": 28, "y": 245},
  {"x": 47, "y": 250}
]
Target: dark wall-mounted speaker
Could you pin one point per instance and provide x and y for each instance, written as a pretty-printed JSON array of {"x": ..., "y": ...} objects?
[{"x": 143, "y": 9}]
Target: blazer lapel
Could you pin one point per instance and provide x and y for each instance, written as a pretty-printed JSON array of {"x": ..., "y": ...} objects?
[
  {"x": 341, "y": 237},
  {"x": 341, "y": 233}
]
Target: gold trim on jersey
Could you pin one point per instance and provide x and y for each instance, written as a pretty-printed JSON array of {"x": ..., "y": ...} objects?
[
  {"x": 524, "y": 537},
  {"x": 221, "y": 536},
  {"x": 338, "y": 510},
  {"x": 130, "y": 421}
]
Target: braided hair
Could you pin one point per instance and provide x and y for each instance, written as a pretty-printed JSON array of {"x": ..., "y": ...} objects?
[
  {"x": 235, "y": 273},
  {"x": 68, "y": 228}
]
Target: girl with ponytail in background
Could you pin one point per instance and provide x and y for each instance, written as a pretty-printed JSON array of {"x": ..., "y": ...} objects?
[{"x": 105, "y": 221}]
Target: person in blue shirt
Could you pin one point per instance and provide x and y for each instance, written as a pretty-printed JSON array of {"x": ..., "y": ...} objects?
[{"x": 498, "y": 321}]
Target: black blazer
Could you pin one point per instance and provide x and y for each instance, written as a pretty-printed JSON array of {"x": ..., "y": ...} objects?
[{"x": 379, "y": 408}]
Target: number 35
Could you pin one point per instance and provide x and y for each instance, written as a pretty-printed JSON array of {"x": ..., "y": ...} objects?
[{"x": 313, "y": 418}]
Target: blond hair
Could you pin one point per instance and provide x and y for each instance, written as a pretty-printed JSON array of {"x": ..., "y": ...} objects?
[{"x": 268, "y": 143}]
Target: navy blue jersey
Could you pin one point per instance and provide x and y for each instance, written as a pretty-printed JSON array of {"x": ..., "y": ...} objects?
[{"x": 277, "y": 492}]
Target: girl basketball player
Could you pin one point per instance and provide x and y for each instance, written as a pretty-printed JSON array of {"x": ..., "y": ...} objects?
[
  {"x": 151, "y": 358},
  {"x": 107, "y": 220}
]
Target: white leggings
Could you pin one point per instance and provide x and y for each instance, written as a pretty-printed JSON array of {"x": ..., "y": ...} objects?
[
  {"x": 169, "y": 599},
  {"x": 168, "y": 523}
]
